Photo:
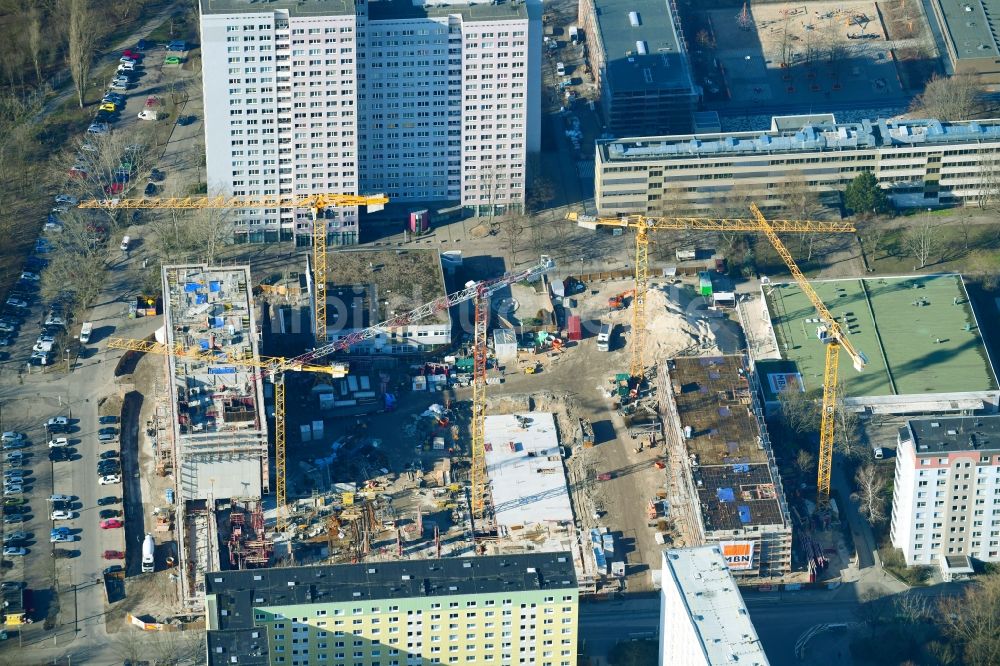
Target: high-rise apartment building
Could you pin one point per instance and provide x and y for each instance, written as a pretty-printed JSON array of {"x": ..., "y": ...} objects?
[
  {"x": 946, "y": 493},
  {"x": 516, "y": 609},
  {"x": 703, "y": 620},
  {"x": 426, "y": 103}
]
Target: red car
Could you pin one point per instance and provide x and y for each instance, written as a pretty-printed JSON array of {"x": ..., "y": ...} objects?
[
  {"x": 111, "y": 524},
  {"x": 114, "y": 188},
  {"x": 151, "y": 101},
  {"x": 114, "y": 555},
  {"x": 129, "y": 53},
  {"x": 78, "y": 172}
]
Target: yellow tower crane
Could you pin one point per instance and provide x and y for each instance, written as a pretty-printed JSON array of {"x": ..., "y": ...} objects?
[
  {"x": 272, "y": 367},
  {"x": 644, "y": 224},
  {"x": 833, "y": 335},
  {"x": 314, "y": 202}
]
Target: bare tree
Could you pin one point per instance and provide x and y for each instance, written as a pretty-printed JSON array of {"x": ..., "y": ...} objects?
[
  {"x": 872, "y": 234},
  {"x": 82, "y": 35},
  {"x": 920, "y": 241},
  {"x": 33, "y": 33},
  {"x": 76, "y": 270},
  {"x": 799, "y": 202},
  {"x": 111, "y": 165},
  {"x": 989, "y": 181},
  {"x": 973, "y": 621},
  {"x": 958, "y": 97},
  {"x": 805, "y": 462},
  {"x": 541, "y": 191},
  {"x": 798, "y": 410},
  {"x": 128, "y": 645},
  {"x": 180, "y": 236},
  {"x": 511, "y": 226},
  {"x": 846, "y": 433},
  {"x": 871, "y": 493}
]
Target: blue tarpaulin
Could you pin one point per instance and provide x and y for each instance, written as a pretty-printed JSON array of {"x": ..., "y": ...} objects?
[
  {"x": 203, "y": 344},
  {"x": 191, "y": 287},
  {"x": 200, "y": 298},
  {"x": 215, "y": 286},
  {"x": 725, "y": 494},
  {"x": 215, "y": 322},
  {"x": 221, "y": 371},
  {"x": 741, "y": 468},
  {"x": 744, "y": 512}
]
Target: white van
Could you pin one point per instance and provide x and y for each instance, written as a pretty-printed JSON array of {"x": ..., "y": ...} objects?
[
  {"x": 604, "y": 338},
  {"x": 879, "y": 453},
  {"x": 560, "y": 69},
  {"x": 125, "y": 241},
  {"x": 85, "y": 332}
]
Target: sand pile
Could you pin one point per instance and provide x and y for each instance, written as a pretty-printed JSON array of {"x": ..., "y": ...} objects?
[{"x": 676, "y": 322}]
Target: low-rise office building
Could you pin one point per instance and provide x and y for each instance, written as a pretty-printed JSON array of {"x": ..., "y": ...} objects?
[{"x": 921, "y": 163}]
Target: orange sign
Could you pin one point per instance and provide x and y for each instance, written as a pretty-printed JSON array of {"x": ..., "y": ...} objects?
[{"x": 737, "y": 554}]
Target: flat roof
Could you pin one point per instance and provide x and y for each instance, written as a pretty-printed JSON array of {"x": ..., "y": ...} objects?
[
  {"x": 369, "y": 286},
  {"x": 525, "y": 468},
  {"x": 919, "y": 333},
  {"x": 395, "y": 10},
  {"x": 237, "y": 592},
  {"x": 953, "y": 434},
  {"x": 971, "y": 26},
  {"x": 663, "y": 66},
  {"x": 715, "y": 606},
  {"x": 796, "y": 134},
  {"x": 218, "y": 407},
  {"x": 736, "y": 484},
  {"x": 295, "y": 8}
]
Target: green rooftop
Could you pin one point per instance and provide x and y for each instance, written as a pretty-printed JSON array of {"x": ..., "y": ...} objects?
[{"x": 919, "y": 333}]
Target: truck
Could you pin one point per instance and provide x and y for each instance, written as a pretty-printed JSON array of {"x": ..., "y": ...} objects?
[
  {"x": 574, "y": 34},
  {"x": 148, "y": 548},
  {"x": 85, "y": 332},
  {"x": 586, "y": 433},
  {"x": 604, "y": 338},
  {"x": 574, "y": 327},
  {"x": 643, "y": 423}
]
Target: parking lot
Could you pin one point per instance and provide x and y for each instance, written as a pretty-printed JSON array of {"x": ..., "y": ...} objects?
[{"x": 64, "y": 516}]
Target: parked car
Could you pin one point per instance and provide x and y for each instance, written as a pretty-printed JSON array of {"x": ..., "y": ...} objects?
[
  {"x": 126, "y": 59},
  {"x": 78, "y": 171},
  {"x": 57, "y": 424},
  {"x": 114, "y": 188},
  {"x": 186, "y": 120},
  {"x": 108, "y": 106},
  {"x": 61, "y": 455},
  {"x": 107, "y": 434},
  {"x": 15, "y": 551},
  {"x": 110, "y": 480},
  {"x": 58, "y": 442},
  {"x": 61, "y": 514},
  {"x": 132, "y": 53},
  {"x": 150, "y": 189},
  {"x": 108, "y": 501},
  {"x": 177, "y": 45},
  {"x": 13, "y": 519},
  {"x": 67, "y": 199},
  {"x": 172, "y": 60},
  {"x": 99, "y": 128},
  {"x": 107, "y": 419},
  {"x": 109, "y": 455},
  {"x": 17, "y": 302},
  {"x": 113, "y": 569},
  {"x": 10, "y": 446},
  {"x": 118, "y": 86},
  {"x": 60, "y": 498},
  {"x": 111, "y": 524},
  {"x": 142, "y": 45},
  {"x": 13, "y": 537},
  {"x": 127, "y": 67},
  {"x": 14, "y": 501},
  {"x": 114, "y": 555},
  {"x": 156, "y": 175},
  {"x": 30, "y": 277},
  {"x": 110, "y": 513},
  {"x": 12, "y": 436},
  {"x": 149, "y": 114}
]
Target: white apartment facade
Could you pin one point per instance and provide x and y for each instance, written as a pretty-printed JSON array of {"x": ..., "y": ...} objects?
[
  {"x": 920, "y": 163},
  {"x": 703, "y": 620},
  {"x": 424, "y": 103},
  {"x": 946, "y": 497}
]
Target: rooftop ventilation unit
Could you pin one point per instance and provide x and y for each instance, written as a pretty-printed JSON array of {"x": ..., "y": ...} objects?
[
  {"x": 640, "y": 46},
  {"x": 633, "y": 18}
]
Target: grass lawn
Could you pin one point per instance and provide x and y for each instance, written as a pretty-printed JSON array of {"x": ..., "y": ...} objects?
[{"x": 951, "y": 252}]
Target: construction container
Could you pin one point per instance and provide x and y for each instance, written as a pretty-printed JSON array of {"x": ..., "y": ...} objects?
[
  {"x": 420, "y": 383},
  {"x": 574, "y": 328},
  {"x": 317, "y": 429},
  {"x": 704, "y": 283},
  {"x": 306, "y": 433},
  {"x": 420, "y": 221},
  {"x": 504, "y": 345}
]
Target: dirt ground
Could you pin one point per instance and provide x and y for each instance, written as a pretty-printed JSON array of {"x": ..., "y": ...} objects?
[{"x": 787, "y": 53}]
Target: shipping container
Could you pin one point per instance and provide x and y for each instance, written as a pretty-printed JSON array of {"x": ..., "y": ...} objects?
[{"x": 574, "y": 328}]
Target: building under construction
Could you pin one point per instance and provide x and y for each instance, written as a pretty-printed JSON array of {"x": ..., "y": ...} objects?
[
  {"x": 219, "y": 427},
  {"x": 731, "y": 480}
]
